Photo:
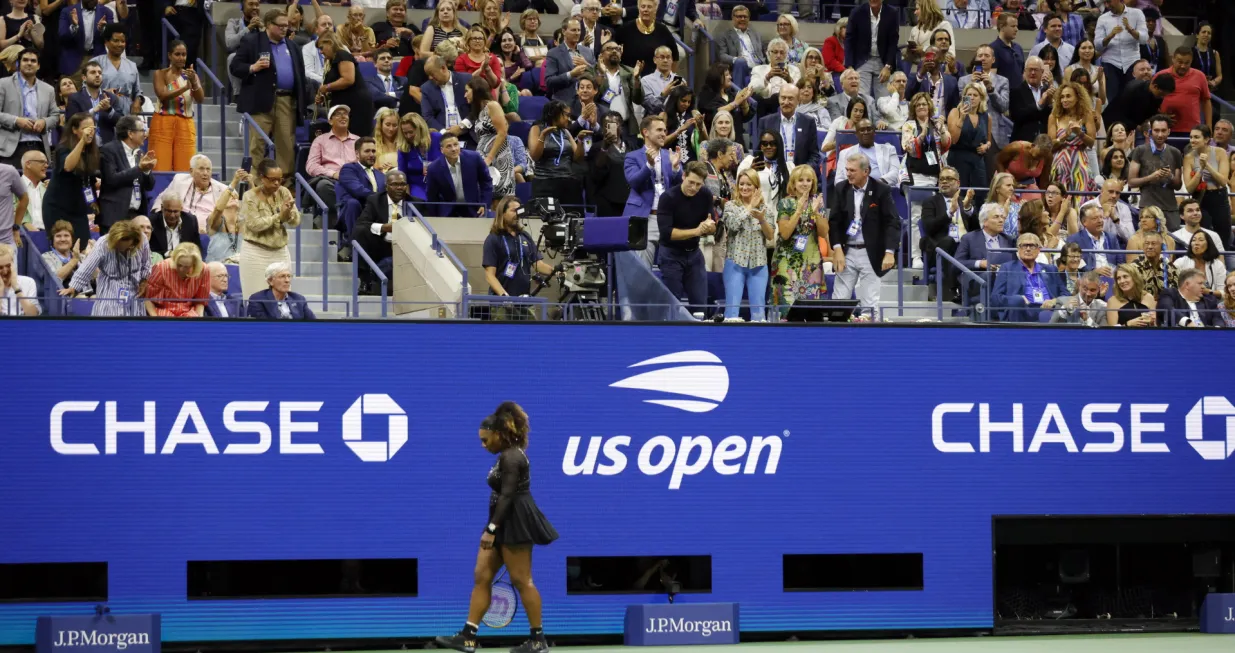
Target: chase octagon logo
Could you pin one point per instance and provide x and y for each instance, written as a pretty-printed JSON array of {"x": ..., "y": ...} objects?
[
  {"x": 697, "y": 374},
  {"x": 372, "y": 451},
  {"x": 1219, "y": 449}
]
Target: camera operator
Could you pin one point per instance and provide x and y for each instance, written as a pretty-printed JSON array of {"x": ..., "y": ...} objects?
[
  {"x": 508, "y": 259},
  {"x": 684, "y": 215}
]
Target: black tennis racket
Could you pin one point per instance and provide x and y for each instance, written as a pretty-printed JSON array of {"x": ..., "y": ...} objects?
[{"x": 503, "y": 603}]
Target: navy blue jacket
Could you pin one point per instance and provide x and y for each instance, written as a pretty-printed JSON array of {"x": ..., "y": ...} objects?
[
  {"x": 477, "y": 186},
  {"x": 858, "y": 37},
  {"x": 263, "y": 306},
  {"x": 433, "y": 107}
]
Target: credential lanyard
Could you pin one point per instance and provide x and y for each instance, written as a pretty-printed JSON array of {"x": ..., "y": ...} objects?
[
  {"x": 561, "y": 147},
  {"x": 506, "y": 245}
]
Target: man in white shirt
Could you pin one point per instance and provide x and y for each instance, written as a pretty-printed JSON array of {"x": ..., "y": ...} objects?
[
  {"x": 885, "y": 164},
  {"x": 1119, "y": 35},
  {"x": 34, "y": 178},
  {"x": 968, "y": 14},
  {"x": 1053, "y": 31},
  {"x": 767, "y": 80},
  {"x": 314, "y": 61},
  {"x": 18, "y": 294},
  {"x": 1190, "y": 213},
  {"x": 221, "y": 303},
  {"x": 658, "y": 84}
]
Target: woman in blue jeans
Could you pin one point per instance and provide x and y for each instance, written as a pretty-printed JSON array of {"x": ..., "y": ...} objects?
[{"x": 746, "y": 264}]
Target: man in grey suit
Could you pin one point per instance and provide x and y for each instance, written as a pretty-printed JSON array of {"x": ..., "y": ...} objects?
[
  {"x": 838, "y": 105},
  {"x": 567, "y": 62},
  {"x": 997, "y": 93},
  {"x": 28, "y": 111},
  {"x": 741, "y": 47}
]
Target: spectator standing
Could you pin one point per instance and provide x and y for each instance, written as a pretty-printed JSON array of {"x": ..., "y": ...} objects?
[
  {"x": 342, "y": 86},
  {"x": 963, "y": 16},
  {"x": 1206, "y": 174},
  {"x": 864, "y": 228},
  {"x": 122, "y": 261},
  {"x": 126, "y": 174},
  {"x": 745, "y": 45},
  {"x": 1120, "y": 33},
  {"x": 797, "y": 267},
  {"x": 947, "y": 217},
  {"x": 18, "y": 294},
  {"x": 277, "y": 301},
  {"x": 81, "y": 33},
  {"x": 658, "y": 84},
  {"x": 969, "y": 127},
  {"x": 924, "y": 139},
  {"x": 102, "y": 105},
  {"x": 567, "y": 62},
  {"x": 179, "y": 285},
  {"x": 248, "y": 22},
  {"x": 608, "y": 178},
  {"x": 443, "y": 98},
  {"x": 460, "y": 178},
  {"x": 442, "y": 26},
  {"x": 1010, "y": 58},
  {"x": 71, "y": 191},
  {"x": 223, "y": 224},
  {"x": 533, "y": 46},
  {"x": 490, "y": 131},
  {"x": 684, "y": 216},
  {"x": 12, "y": 204},
  {"x": 870, "y": 44},
  {"x": 1154, "y": 51},
  {"x": 422, "y": 148},
  {"x": 266, "y": 213},
  {"x": 1031, "y": 103},
  {"x": 119, "y": 73},
  {"x": 554, "y": 149},
  {"x": 650, "y": 171},
  {"x": 1085, "y": 60},
  {"x": 29, "y": 112},
  {"x": 1205, "y": 59},
  {"x": 312, "y": 60},
  {"x": 834, "y": 47},
  {"x": 1156, "y": 169},
  {"x": 768, "y": 79},
  {"x": 1052, "y": 35},
  {"x": 799, "y": 133},
  {"x": 477, "y": 60},
  {"x": 510, "y": 259},
  {"x": 272, "y": 69},
  {"x": 1190, "y": 103},
  {"x": 748, "y": 229},
  {"x": 173, "y": 135},
  {"x": 641, "y": 37},
  {"x": 1073, "y": 127},
  {"x": 768, "y": 161}
]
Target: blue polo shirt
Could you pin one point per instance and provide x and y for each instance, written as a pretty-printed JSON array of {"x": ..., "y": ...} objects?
[{"x": 286, "y": 75}]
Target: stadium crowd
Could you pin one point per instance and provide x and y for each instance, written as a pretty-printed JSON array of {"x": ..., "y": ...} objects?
[{"x": 789, "y": 164}]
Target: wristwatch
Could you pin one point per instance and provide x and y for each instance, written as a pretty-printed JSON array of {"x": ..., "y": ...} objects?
[{"x": 491, "y": 528}]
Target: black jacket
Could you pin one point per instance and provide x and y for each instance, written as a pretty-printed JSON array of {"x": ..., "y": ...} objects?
[
  {"x": 881, "y": 226},
  {"x": 1028, "y": 119},
  {"x": 187, "y": 229},
  {"x": 1172, "y": 308},
  {"x": 935, "y": 220},
  {"x": 117, "y": 185},
  {"x": 257, "y": 90}
]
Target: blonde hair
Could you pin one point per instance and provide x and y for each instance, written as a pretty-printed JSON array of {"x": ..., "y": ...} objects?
[
  {"x": 448, "y": 50},
  {"x": 1229, "y": 300},
  {"x": 930, "y": 17},
  {"x": 793, "y": 24},
  {"x": 422, "y": 140},
  {"x": 436, "y": 21},
  {"x": 981, "y": 89},
  {"x": 523, "y": 18},
  {"x": 193, "y": 252},
  {"x": 995, "y": 182},
  {"x": 797, "y": 174},
  {"x": 1138, "y": 283},
  {"x": 9, "y": 252},
  {"x": 399, "y": 145},
  {"x": 751, "y": 175},
  {"x": 840, "y": 25}
]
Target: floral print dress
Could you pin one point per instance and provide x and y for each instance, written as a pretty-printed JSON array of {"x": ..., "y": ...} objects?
[{"x": 797, "y": 266}]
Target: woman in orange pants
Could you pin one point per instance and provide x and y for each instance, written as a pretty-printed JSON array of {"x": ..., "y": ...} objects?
[{"x": 173, "y": 136}]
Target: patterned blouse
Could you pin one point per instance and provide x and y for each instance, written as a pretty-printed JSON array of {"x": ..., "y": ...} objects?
[
  {"x": 746, "y": 244},
  {"x": 260, "y": 217},
  {"x": 1152, "y": 275},
  {"x": 120, "y": 277}
]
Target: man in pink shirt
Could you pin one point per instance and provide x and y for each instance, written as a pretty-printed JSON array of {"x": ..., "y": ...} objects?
[
  {"x": 330, "y": 152},
  {"x": 1189, "y": 104}
]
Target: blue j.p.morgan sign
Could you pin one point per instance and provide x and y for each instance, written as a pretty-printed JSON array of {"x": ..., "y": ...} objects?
[
  {"x": 106, "y": 633},
  {"x": 681, "y": 624},
  {"x": 1218, "y": 614}
]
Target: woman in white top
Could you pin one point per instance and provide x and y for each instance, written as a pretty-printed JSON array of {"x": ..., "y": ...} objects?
[
  {"x": 1085, "y": 55},
  {"x": 1203, "y": 255},
  {"x": 894, "y": 107},
  {"x": 18, "y": 294},
  {"x": 930, "y": 18},
  {"x": 769, "y": 163}
]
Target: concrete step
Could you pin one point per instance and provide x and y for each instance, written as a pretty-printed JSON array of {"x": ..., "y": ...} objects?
[
  {"x": 369, "y": 308},
  {"x": 336, "y": 284},
  {"x": 915, "y": 311}
]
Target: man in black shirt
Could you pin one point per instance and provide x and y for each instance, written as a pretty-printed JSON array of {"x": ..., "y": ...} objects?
[
  {"x": 684, "y": 214},
  {"x": 509, "y": 256},
  {"x": 1139, "y": 101}
]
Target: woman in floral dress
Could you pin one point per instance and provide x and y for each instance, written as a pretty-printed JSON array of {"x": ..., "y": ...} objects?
[{"x": 797, "y": 268}]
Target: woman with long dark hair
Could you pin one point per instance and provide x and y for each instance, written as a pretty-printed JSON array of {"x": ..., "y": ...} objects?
[
  {"x": 715, "y": 96},
  {"x": 768, "y": 160},
  {"x": 490, "y": 131},
  {"x": 173, "y": 134},
  {"x": 71, "y": 190},
  {"x": 1203, "y": 254},
  {"x": 551, "y": 145},
  {"x": 683, "y": 122},
  {"x": 515, "y": 525},
  {"x": 1207, "y": 174}
]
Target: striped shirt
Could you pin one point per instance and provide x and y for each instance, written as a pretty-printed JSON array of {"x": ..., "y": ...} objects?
[
  {"x": 119, "y": 275},
  {"x": 168, "y": 291}
]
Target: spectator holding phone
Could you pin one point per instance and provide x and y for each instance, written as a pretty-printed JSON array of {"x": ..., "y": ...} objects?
[
  {"x": 660, "y": 83},
  {"x": 767, "y": 80},
  {"x": 1156, "y": 169},
  {"x": 555, "y": 149},
  {"x": 607, "y": 179},
  {"x": 768, "y": 161}
]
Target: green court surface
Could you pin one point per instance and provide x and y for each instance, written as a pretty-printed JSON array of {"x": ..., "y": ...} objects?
[{"x": 1114, "y": 643}]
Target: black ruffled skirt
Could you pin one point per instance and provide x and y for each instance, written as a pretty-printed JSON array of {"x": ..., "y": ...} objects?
[{"x": 524, "y": 524}]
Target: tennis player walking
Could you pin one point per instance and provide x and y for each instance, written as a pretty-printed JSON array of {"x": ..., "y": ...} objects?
[{"x": 515, "y": 525}]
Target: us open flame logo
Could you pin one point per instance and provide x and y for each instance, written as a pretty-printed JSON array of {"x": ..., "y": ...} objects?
[{"x": 698, "y": 374}]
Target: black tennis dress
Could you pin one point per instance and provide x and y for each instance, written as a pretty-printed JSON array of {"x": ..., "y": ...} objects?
[{"x": 511, "y": 506}]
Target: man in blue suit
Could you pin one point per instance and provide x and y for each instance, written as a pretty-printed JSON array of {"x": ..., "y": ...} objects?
[
  {"x": 1024, "y": 288},
  {"x": 875, "y": 67},
  {"x": 1092, "y": 237},
  {"x": 222, "y": 303},
  {"x": 799, "y": 133},
  {"x": 385, "y": 88},
  {"x": 650, "y": 171},
  {"x": 278, "y": 302},
  {"x": 357, "y": 181},
  {"x": 567, "y": 62},
  {"x": 81, "y": 33},
  {"x": 972, "y": 252},
  {"x": 444, "y": 110},
  {"x": 105, "y": 107},
  {"x": 459, "y": 176}
]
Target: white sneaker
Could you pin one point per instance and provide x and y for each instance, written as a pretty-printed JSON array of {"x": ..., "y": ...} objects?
[
  {"x": 734, "y": 319},
  {"x": 917, "y": 263}
]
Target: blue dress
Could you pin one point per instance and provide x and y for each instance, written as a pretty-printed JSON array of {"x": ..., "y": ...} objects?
[{"x": 416, "y": 167}]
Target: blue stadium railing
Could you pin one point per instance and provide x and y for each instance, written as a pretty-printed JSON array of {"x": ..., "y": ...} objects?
[
  {"x": 220, "y": 93},
  {"x": 358, "y": 253},
  {"x": 246, "y": 121},
  {"x": 978, "y": 312},
  {"x": 167, "y": 27},
  {"x": 325, "y": 213}
]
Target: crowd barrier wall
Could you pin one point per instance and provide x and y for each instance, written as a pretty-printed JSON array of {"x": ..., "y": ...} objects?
[{"x": 834, "y": 440}]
